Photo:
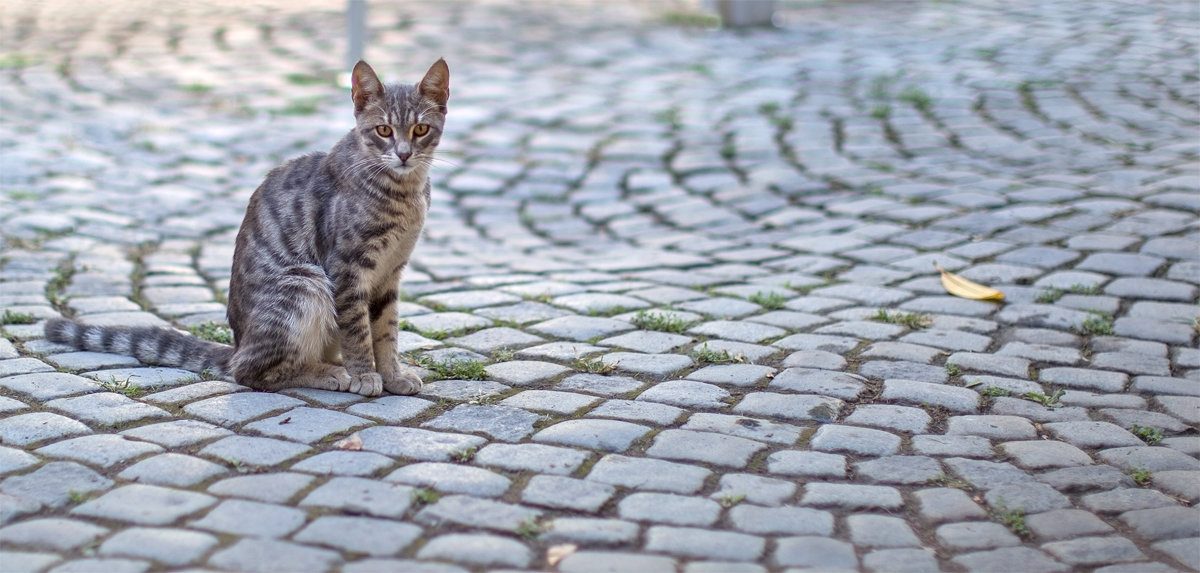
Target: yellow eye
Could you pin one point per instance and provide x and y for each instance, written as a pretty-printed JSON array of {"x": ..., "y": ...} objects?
[
  {"x": 420, "y": 129},
  {"x": 384, "y": 130}
]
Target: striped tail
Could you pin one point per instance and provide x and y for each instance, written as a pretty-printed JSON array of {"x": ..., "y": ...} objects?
[{"x": 160, "y": 346}]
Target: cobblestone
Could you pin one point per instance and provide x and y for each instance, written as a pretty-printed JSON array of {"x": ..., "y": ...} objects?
[{"x": 657, "y": 251}]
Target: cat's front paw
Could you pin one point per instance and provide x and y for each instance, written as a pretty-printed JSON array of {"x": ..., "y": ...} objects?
[
  {"x": 368, "y": 384},
  {"x": 403, "y": 382}
]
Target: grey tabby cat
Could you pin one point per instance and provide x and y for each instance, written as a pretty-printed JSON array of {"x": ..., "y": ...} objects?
[{"x": 318, "y": 257}]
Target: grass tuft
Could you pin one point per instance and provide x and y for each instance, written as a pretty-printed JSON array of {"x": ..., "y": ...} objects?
[
  {"x": 212, "y": 332},
  {"x": 912, "y": 320}
]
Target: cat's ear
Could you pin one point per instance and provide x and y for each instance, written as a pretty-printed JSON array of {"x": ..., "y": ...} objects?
[
  {"x": 436, "y": 83},
  {"x": 364, "y": 86}
]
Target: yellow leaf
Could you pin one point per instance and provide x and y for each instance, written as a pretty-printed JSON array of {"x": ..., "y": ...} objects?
[
  {"x": 964, "y": 288},
  {"x": 353, "y": 443},
  {"x": 557, "y": 553}
]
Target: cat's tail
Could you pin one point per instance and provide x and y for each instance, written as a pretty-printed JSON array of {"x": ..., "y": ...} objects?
[{"x": 160, "y": 346}]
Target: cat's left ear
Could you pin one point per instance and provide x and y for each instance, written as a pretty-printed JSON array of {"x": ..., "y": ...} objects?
[
  {"x": 436, "y": 83},
  {"x": 364, "y": 86}
]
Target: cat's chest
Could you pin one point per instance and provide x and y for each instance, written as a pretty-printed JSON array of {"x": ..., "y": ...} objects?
[{"x": 395, "y": 247}]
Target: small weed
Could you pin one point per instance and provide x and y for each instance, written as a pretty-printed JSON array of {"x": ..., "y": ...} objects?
[
  {"x": 768, "y": 300},
  {"x": 1141, "y": 476},
  {"x": 953, "y": 369},
  {"x": 16, "y": 61},
  {"x": 463, "y": 456},
  {"x": 77, "y": 496},
  {"x": 1050, "y": 401},
  {"x": 660, "y": 321},
  {"x": 463, "y": 370},
  {"x": 122, "y": 387},
  {"x": 207, "y": 375},
  {"x": 212, "y": 331},
  {"x": 944, "y": 480},
  {"x": 1092, "y": 289},
  {"x": 728, "y": 500},
  {"x": 594, "y": 366},
  {"x": 307, "y": 79},
  {"x": 503, "y": 354},
  {"x": 996, "y": 392},
  {"x": 1098, "y": 323},
  {"x": 705, "y": 355},
  {"x": 916, "y": 97},
  {"x": 1013, "y": 519},
  {"x": 542, "y": 298},
  {"x": 1049, "y": 295},
  {"x": 881, "y": 112},
  {"x": 423, "y": 496},
  {"x": 1149, "y": 435},
  {"x": 670, "y": 117},
  {"x": 910, "y": 319},
  {"x": 10, "y": 317},
  {"x": 689, "y": 19},
  {"x": 529, "y": 529},
  {"x": 304, "y": 106},
  {"x": 196, "y": 88}
]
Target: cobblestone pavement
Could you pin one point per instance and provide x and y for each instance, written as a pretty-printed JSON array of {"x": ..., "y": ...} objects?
[{"x": 677, "y": 290}]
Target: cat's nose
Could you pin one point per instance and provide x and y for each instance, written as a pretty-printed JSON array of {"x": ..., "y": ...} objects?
[{"x": 403, "y": 156}]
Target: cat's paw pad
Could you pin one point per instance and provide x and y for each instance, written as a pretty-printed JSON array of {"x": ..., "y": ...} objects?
[
  {"x": 369, "y": 384},
  {"x": 403, "y": 382}
]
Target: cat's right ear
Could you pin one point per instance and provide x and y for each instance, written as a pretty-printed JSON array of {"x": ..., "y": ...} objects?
[{"x": 364, "y": 86}]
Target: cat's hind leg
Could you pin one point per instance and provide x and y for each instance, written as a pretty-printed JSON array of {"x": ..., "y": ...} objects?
[{"x": 288, "y": 337}]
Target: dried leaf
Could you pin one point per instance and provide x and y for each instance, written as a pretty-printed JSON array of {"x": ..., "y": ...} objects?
[
  {"x": 285, "y": 420},
  {"x": 964, "y": 288},
  {"x": 557, "y": 553},
  {"x": 351, "y": 442}
]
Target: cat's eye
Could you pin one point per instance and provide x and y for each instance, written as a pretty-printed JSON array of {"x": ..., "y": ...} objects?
[
  {"x": 420, "y": 129},
  {"x": 384, "y": 130}
]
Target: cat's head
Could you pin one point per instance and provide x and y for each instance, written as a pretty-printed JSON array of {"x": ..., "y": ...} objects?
[{"x": 400, "y": 125}]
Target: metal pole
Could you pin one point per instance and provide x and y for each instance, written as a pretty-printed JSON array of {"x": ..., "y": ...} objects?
[{"x": 356, "y": 37}]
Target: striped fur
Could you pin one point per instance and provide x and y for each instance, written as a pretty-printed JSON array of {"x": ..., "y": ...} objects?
[{"x": 316, "y": 267}]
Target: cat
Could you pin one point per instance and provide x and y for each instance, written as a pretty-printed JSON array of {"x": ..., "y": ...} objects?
[{"x": 316, "y": 266}]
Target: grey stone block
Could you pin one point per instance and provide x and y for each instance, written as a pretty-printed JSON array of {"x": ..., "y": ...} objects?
[
  {"x": 233, "y": 409},
  {"x": 815, "y": 553},
  {"x": 473, "y": 512},
  {"x": 909, "y": 470},
  {"x": 359, "y": 534},
  {"x": 253, "y": 451},
  {"x": 704, "y": 447},
  {"x": 262, "y": 555},
  {"x": 307, "y": 425},
  {"x": 796, "y": 407},
  {"x": 566, "y": 493},
  {"x": 346, "y": 463},
  {"x": 849, "y": 496},
  {"x": 251, "y": 519},
  {"x": 687, "y": 394},
  {"x": 896, "y": 418},
  {"x": 826, "y": 383},
  {"x": 603, "y": 435},
  {"x": 269, "y": 488},
  {"x": 36, "y": 427},
  {"x": 808, "y": 464},
  {"x": 103, "y": 450},
  {"x": 503, "y": 423},
  {"x": 1066, "y": 524},
  {"x": 940, "y": 505},
  {"x": 590, "y": 532},
  {"x": 532, "y": 457},
  {"x": 633, "y": 411},
  {"x": 1092, "y": 434},
  {"x": 1029, "y": 497},
  {"x": 452, "y": 478},
  {"x": 669, "y": 508},
  {"x": 360, "y": 496},
  {"x": 1031, "y": 560},
  {"x": 1086, "y": 551},
  {"x": 755, "y": 429},
  {"x": 587, "y": 561},
  {"x": 755, "y": 489},
  {"x": 53, "y": 483},
  {"x": 600, "y": 384},
  {"x": 868, "y": 530},
  {"x": 417, "y": 444},
  {"x": 144, "y": 505},
  {"x": 986, "y": 475},
  {"x": 171, "y": 469},
  {"x": 1126, "y": 499},
  {"x": 525, "y": 372},
  {"x": 914, "y": 392},
  {"x": 704, "y": 543},
  {"x": 1148, "y": 458},
  {"x": 855, "y": 440},
  {"x": 174, "y": 547},
  {"x": 647, "y": 474},
  {"x": 52, "y": 534},
  {"x": 177, "y": 433}
]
